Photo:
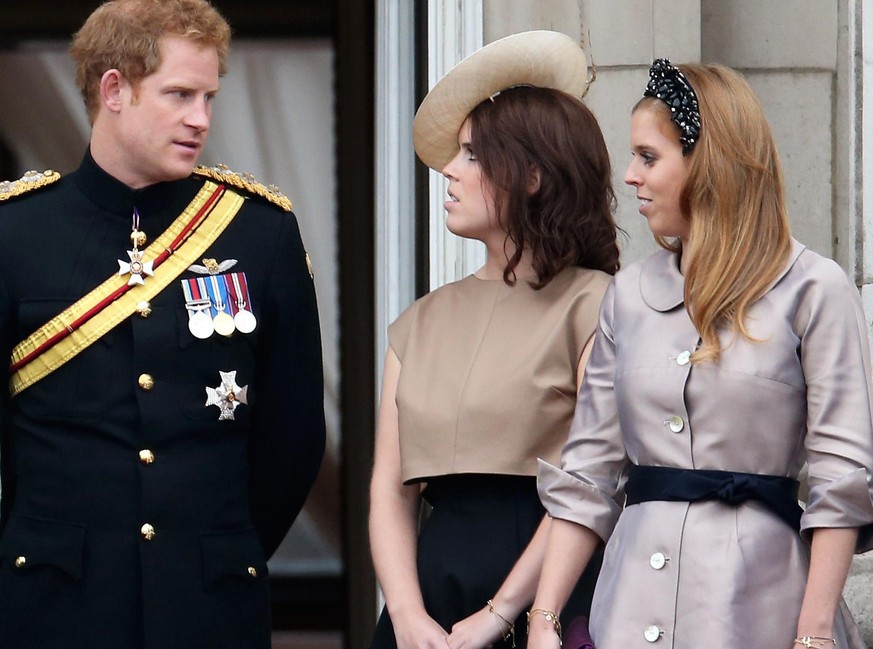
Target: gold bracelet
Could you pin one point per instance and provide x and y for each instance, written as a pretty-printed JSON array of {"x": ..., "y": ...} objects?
[
  {"x": 807, "y": 640},
  {"x": 510, "y": 625},
  {"x": 551, "y": 616}
]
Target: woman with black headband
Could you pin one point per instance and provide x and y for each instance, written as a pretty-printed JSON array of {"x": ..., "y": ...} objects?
[{"x": 722, "y": 364}]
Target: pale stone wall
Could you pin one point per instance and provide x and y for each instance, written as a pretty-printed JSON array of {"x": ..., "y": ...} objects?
[
  {"x": 624, "y": 34},
  {"x": 791, "y": 65},
  {"x": 802, "y": 57}
]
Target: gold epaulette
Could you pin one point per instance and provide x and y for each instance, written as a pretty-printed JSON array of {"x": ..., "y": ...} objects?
[
  {"x": 222, "y": 174},
  {"x": 27, "y": 183}
]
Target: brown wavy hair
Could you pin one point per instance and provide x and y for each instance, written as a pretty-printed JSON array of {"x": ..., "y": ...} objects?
[
  {"x": 569, "y": 220},
  {"x": 126, "y": 35},
  {"x": 734, "y": 199}
]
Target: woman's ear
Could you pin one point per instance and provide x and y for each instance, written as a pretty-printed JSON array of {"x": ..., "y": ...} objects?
[{"x": 533, "y": 181}]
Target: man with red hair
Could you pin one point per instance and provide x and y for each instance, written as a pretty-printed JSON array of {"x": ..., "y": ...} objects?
[{"x": 164, "y": 421}]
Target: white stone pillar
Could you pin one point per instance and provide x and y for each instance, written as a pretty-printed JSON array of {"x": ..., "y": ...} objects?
[
  {"x": 395, "y": 166},
  {"x": 454, "y": 31}
]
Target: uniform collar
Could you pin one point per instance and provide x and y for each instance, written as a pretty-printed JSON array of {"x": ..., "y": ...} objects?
[
  {"x": 662, "y": 285},
  {"x": 114, "y": 196}
]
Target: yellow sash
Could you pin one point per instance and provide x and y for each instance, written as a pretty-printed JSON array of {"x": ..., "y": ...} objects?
[{"x": 183, "y": 254}]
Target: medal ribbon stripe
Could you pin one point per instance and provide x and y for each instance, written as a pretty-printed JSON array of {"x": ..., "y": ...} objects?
[
  {"x": 239, "y": 292},
  {"x": 186, "y": 289},
  {"x": 219, "y": 288},
  {"x": 203, "y": 294},
  {"x": 216, "y": 292},
  {"x": 193, "y": 294},
  {"x": 232, "y": 300},
  {"x": 78, "y": 326}
]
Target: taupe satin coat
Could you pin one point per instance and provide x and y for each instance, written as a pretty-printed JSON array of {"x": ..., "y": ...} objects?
[{"x": 707, "y": 574}]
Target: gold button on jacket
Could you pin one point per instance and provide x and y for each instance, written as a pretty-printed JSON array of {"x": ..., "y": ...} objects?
[{"x": 143, "y": 308}]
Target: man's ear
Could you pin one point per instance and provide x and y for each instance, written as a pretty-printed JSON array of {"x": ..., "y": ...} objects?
[
  {"x": 112, "y": 87},
  {"x": 533, "y": 181}
]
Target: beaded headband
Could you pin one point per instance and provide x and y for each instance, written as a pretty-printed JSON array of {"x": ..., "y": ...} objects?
[{"x": 668, "y": 84}]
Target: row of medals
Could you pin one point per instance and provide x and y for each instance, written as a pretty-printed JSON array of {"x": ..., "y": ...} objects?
[{"x": 201, "y": 323}]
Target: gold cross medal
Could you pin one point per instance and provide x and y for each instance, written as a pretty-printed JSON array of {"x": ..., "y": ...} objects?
[{"x": 227, "y": 396}]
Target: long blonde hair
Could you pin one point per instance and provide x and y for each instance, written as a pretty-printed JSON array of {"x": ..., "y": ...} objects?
[{"x": 734, "y": 199}]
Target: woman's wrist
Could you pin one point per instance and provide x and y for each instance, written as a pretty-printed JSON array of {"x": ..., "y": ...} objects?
[
  {"x": 540, "y": 619},
  {"x": 814, "y": 641},
  {"x": 815, "y": 624},
  {"x": 504, "y": 624},
  {"x": 405, "y": 611},
  {"x": 510, "y": 605}
]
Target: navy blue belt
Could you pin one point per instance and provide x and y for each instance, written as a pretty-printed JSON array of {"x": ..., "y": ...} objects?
[{"x": 778, "y": 493}]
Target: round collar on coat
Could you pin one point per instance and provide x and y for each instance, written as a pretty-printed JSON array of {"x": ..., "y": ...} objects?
[{"x": 662, "y": 285}]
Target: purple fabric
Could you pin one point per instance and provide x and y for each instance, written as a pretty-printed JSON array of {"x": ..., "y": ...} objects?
[{"x": 576, "y": 635}]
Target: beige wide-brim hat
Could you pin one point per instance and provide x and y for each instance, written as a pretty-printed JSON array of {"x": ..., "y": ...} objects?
[{"x": 545, "y": 59}]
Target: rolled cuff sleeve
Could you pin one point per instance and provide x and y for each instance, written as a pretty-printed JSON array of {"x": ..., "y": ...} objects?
[
  {"x": 839, "y": 441},
  {"x": 571, "y": 498},
  {"x": 845, "y": 502}
]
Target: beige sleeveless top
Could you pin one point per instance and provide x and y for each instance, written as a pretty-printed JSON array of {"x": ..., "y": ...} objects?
[{"x": 488, "y": 373}]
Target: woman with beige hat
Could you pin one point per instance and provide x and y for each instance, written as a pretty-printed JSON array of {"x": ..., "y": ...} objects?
[
  {"x": 722, "y": 364},
  {"x": 481, "y": 375}
]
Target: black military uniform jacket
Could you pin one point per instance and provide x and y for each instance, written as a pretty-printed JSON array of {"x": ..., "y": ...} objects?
[{"x": 90, "y": 459}]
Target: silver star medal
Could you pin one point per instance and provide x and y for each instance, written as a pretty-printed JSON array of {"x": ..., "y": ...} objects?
[
  {"x": 136, "y": 266},
  {"x": 227, "y": 396}
]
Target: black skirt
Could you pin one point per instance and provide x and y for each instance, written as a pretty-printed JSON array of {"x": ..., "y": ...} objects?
[{"x": 478, "y": 527}]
